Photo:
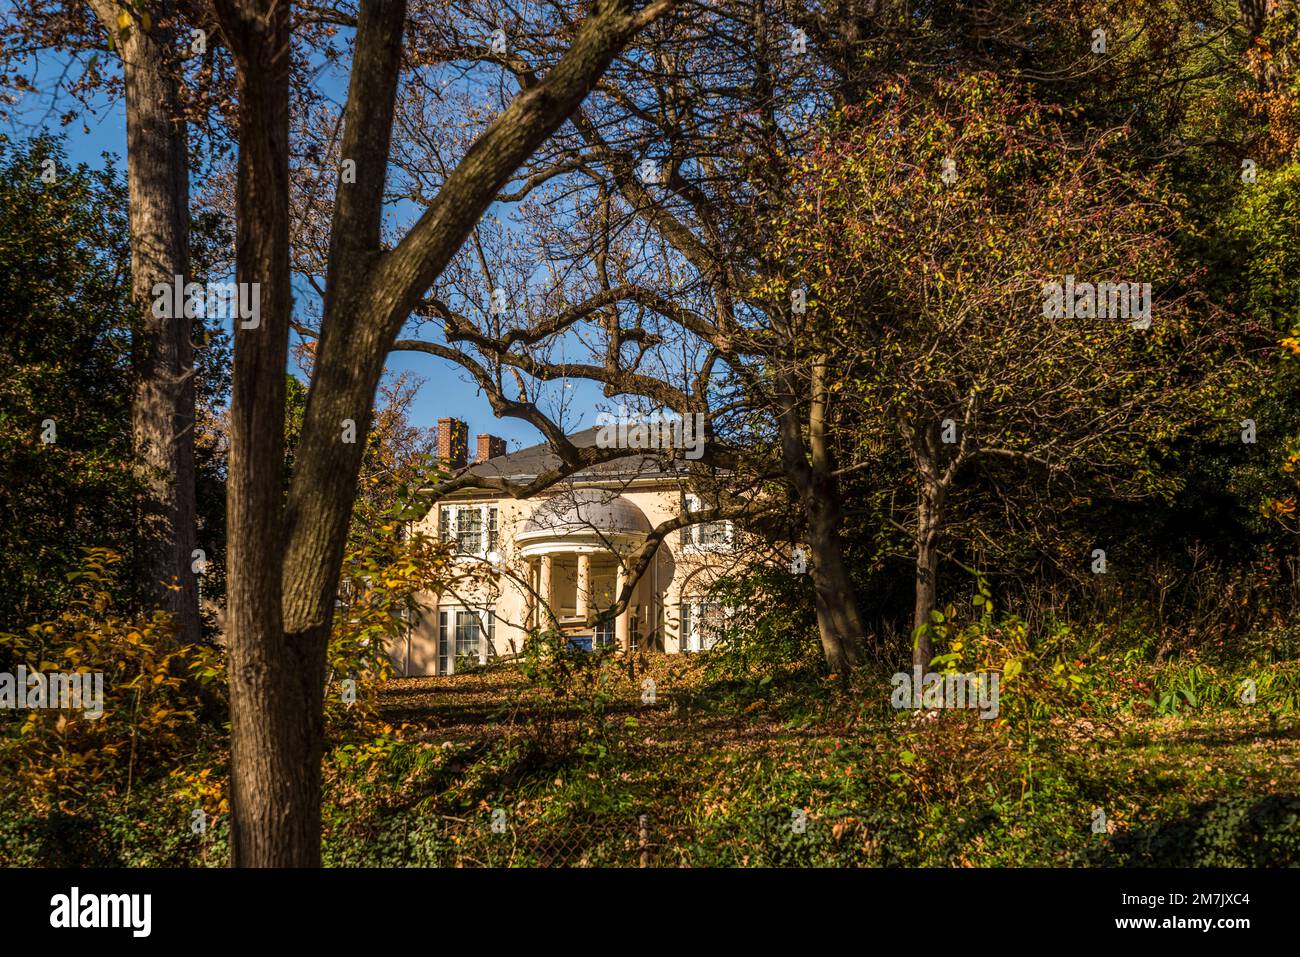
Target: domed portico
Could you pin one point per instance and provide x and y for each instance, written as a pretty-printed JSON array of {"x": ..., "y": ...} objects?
[{"x": 575, "y": 544}]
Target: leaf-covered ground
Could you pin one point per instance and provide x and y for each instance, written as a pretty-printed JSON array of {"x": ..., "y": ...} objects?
[{"x": 490, "y": 768}]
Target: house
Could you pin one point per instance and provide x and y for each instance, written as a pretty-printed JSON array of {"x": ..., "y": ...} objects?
[{"x": 552, "y": 559}]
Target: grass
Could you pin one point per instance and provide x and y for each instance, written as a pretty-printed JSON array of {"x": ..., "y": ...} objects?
[
  {"x": 797, "y": 771},
  {"x": 579, "y": 765}
]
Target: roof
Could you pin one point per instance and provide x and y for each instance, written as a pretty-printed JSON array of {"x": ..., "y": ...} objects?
[
  {"x": 584, "y": 509},
  {"x": 532, "y": 461}
]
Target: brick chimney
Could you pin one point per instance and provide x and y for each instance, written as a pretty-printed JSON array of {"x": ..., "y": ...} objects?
[
  {"x": 489, "y": 447},
  {"x": 453, "y": 443}
]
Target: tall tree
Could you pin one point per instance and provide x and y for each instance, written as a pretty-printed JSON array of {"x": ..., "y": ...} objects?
[
  {"x": 143, "y": 33},
  {"x": 661, "y": 205},
  {"x": 654, "y": 204},
  {"x": 284, "y": 557},
  {"x": 1001, "y": 296},
  {"x": 162, "y": 407}
]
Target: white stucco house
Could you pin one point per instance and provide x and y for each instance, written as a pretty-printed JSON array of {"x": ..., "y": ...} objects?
[{"x": 553, "y": 558}]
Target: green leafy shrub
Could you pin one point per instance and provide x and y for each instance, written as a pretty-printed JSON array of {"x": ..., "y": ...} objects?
[
  {"x": 1233, "y": 832},
  {"x": 777, "y": 627},
  {"x": 72, "y": 776}
]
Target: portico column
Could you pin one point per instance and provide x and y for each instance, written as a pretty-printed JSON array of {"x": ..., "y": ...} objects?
[
  {"x": 544, "y": 592},
  {"x": 621, "y": 620},
  {"x": 584, "y": 584},
  {"x": 530, "y": 594}
]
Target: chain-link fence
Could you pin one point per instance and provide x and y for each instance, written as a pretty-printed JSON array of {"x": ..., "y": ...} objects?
[
  {"x": 494, "y": 840},
  {"x": 775, "y": 837}
]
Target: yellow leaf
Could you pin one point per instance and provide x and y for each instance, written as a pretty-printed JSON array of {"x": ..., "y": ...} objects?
[{"x": 124, "y": 20}]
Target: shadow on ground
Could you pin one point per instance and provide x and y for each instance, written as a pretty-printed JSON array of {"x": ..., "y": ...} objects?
[{"x": 1236, "y": 832}]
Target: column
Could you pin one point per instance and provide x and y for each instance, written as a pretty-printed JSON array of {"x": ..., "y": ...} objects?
[
  {"x": 530, "y": 593},
  {"x": 546, "y": 616},
  {"x": 621, "y": 621},
  {"x": 584, "y": 585}
]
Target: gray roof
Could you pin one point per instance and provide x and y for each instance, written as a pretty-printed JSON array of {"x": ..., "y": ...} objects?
[
  {"x": 587, "y": 509},
  {"x": 532, "y": 461}
]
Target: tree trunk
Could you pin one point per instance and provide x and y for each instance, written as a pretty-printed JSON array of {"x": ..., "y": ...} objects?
[
  {"x": 284, "y": 559},
  {"x": 276, "y": 684},
  {"x": 838, "y": 623},
  {"x": 812, "y": 474},
  {"x": 162, "y": 408},
  {"x": 277, "y": 740},
  {"x": 928, "y": 525}
]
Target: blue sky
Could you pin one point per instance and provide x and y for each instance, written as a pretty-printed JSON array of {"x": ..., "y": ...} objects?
[{"x": 447, "y": 391}]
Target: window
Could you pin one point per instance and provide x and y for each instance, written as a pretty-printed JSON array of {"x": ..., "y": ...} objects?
[
  {"x": 714, "y": 533},
  {"x": 702, "y": 623},
  {"x": 469, "y": 531},
  {"x": 706, "y": 535},
  {"x": 604, "y": 637},
  {"x": 466, "y": 526},
  {"x": 465, "y": 636},
  {"x": 446, "y": 661}
]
